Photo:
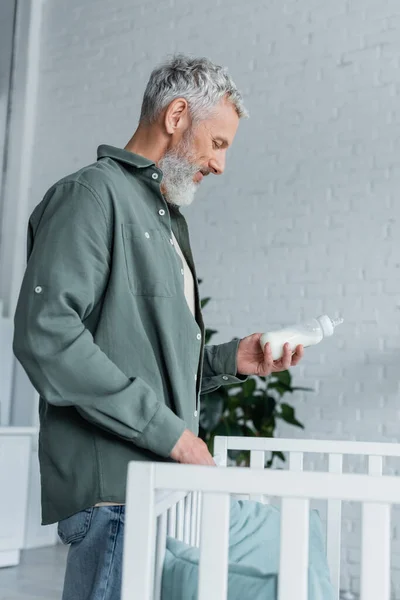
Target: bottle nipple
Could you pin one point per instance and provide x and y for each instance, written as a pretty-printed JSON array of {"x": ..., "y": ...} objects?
[
  {"x": 336, "y": 322},
  {"x": 328, "y": 324}
]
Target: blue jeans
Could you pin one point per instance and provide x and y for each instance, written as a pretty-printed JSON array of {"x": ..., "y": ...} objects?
[{"x": 94, "y": 563}]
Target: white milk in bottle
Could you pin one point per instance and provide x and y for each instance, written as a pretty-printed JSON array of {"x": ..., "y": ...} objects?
[{"x": 306, "y": 334}]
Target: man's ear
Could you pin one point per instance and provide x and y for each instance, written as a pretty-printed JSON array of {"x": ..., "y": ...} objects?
[{"x": 177, "y": 116}]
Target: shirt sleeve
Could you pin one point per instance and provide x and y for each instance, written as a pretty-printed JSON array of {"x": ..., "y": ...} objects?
[
  {"x": 219, "y": 366},
  {"x": 65, "y": 278}
]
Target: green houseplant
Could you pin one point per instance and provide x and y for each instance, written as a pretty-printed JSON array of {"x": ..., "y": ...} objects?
[{"x": 252, "y": 408}]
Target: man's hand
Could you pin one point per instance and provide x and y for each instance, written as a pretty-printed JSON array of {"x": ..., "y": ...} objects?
[
  {"x": 190, "y": 449},
  {"x": 252, "y": 360}
]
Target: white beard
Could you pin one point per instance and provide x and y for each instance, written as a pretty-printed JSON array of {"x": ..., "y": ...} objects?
[
  {"x": 178, "y": 173},
  {"x": 183, "y": 196}
]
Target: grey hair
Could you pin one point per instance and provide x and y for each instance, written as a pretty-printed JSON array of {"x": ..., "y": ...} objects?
[{"x": 202, "y": 83}]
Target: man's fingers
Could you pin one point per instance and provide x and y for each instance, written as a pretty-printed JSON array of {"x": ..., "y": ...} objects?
[
  {"x": 298, "y": 355},
  {"x": 268, "y": 364},
  {"x": 208, "y": 460},
  {"x": 287, "y": 357},
  {"x": 190, "y": 449},
  {"x": 268, "y": 360}
]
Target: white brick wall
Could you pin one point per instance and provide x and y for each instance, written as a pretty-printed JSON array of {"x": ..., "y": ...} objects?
[{"x": 306, "y": 218}]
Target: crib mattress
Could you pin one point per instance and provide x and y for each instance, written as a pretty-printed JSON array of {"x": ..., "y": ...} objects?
[{"x": 253, "y": 570}]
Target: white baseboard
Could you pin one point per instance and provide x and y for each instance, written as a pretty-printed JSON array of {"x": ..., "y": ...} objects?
[{"x": 9, "y": 558}]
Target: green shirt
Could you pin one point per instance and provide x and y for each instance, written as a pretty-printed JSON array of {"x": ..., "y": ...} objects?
[{"x": 104, "y": 332}]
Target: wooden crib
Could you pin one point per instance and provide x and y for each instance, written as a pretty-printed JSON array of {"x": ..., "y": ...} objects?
[{"x": 191, "y": 503}]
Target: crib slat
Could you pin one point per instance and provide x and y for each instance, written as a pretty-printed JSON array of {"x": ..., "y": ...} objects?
[
  {"x": 198, "y": 521},
  {"x": 375, "y": 552},
  {"x": 375, "y": 465},
  {"x": 296, "y": 461},
  {"x": 172, "y": 521},
  {"x": 213, "y": 572},
  {"x": 193, "y": 520},
  {"x": 180, "y": 520},
  {"x": 187, "y": 518},
  {"x": 139, "y": 536},
  {"x": 293, "y": 569},
  {"x": 221, "y": 450},
  {"x": 334, "y": 528},
  {"x": 160, "y": 554},
  {"x": 257, "y": 461}
]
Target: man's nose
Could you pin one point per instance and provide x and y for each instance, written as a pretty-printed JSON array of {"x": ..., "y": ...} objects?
[{"x": 217, "y": 165}]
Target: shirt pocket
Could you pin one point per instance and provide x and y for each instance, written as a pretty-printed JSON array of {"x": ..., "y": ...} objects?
[{"x": 149, "y": 261}]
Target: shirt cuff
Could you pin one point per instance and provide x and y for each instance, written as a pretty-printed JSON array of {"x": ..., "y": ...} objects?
[
  {"x": 163, "y": 431},
  {"x": 225, "y": 363}
]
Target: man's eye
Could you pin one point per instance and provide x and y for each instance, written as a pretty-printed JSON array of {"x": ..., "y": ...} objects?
[{"x": 216, "y": 145}]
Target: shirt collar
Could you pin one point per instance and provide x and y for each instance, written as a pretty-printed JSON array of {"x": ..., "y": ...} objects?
[{"x": 124, "y": 156}]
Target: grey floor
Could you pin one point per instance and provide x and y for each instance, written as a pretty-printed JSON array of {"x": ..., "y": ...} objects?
[{"x": 39, "y": 576}]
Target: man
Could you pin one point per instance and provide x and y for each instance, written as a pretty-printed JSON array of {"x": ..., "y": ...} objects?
[{"x": 108, "y": 325}]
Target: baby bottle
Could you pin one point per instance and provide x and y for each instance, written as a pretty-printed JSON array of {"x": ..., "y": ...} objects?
[{"x": 306, "y": 334}]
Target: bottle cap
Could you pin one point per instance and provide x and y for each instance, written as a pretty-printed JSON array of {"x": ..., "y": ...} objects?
[{"x": 328, "y": 325}]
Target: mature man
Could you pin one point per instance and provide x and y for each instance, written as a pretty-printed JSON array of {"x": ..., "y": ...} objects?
[{"x": 108, "y": 325}]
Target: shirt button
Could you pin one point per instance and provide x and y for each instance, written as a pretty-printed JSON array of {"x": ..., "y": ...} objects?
[
  {"x": 182, "y": 271},
  {"x": 161, "y": 212},
  {"x": 38, "y": 289},
  {"x": 155, "y": 176},
  {"x": 195, "y": 413},
  {"x": 195, "y": 377},
  {"x": 172, "y": 241},
  {"x": 147, "y": 234},
  {"x": 199, "y": 336},
  {"x": 225, "y": 378}
]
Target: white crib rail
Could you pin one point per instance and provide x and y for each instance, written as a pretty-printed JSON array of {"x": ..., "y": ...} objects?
[
  {"x": 376, "y": 493},
  {"x": 296, "y": 449},
  {"x": 213, "y": 566}
]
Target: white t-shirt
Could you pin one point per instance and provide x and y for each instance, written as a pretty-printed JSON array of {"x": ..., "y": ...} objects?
[{"x": 188, "y": 278}]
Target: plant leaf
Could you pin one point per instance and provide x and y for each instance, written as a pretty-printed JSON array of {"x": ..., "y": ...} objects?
[
  {"x": 288, "y": 414},
  {"x": 262, "y": 413},
  {"x": 284, "y": 377},
  {"x": 258, "y": 415},
  {"x": 249, "y": 387},
  {"x": 280, "y": 387},
  {"x": 208, "y": 335},
  {"x": 235, "y": 429},
  {"x": 273, "y": 456},
  {"x": 270, "y": 404},
  {"x": 268, "y": 428},
  {"x": 280, "y": 455},
  {"x": 204, "y": 302},
  {"x": 248, "y": 402},
  {"x": 247, "y": 431},
  {"x": 226, "y": 427},
  {"x": 222, "y": 428},
  {"x": 211, "y": 409},
  {"x": 240, "y": 456}
]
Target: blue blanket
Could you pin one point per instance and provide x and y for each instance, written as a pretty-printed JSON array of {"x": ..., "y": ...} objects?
[{"x": 254, "y": 544}]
